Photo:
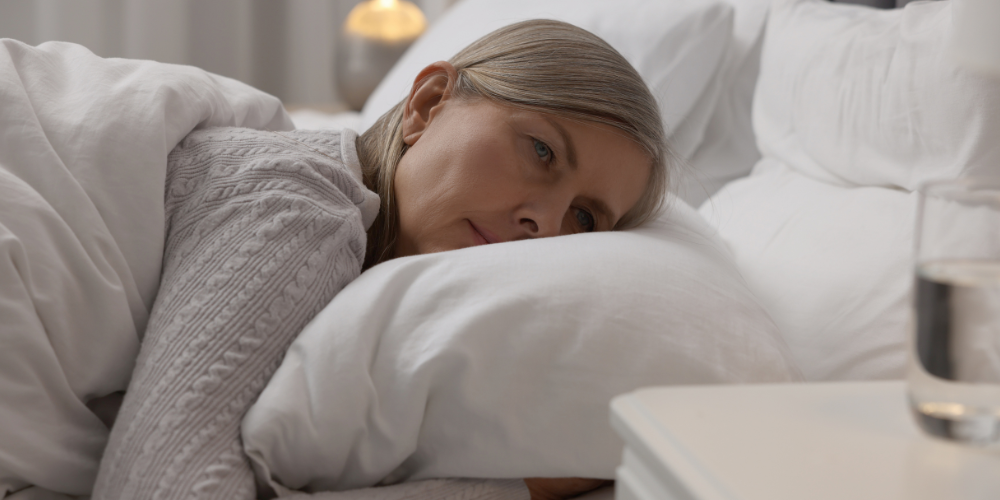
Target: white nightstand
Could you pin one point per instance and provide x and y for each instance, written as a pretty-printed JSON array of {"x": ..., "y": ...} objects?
[{"x": 844, "y": 441}]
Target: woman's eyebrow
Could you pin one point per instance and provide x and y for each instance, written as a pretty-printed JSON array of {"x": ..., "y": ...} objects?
[{"x": 567, "y": 140}]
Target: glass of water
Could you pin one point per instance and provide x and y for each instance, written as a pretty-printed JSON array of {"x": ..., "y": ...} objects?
[{"x": 954, "y": 372}]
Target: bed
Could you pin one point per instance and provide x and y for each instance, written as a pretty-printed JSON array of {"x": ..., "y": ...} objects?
[{"x": 801, "y": 129}]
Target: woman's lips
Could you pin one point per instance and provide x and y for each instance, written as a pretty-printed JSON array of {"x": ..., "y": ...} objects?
[{"x": 483, "y": 236}]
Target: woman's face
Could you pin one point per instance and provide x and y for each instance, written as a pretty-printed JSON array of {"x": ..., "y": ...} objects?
[{"x": 478, "y": 172}]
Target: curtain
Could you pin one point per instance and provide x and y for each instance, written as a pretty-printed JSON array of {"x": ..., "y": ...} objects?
[{"x": 284, "y": 47}]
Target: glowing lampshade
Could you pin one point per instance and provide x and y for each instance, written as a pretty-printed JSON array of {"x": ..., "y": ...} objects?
[
  {"x": 388, "y": 20},
  {"x": 375, "y": 35}
]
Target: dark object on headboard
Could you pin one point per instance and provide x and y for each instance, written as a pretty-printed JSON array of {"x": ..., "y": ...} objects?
[{"x": 881, "y": 4}]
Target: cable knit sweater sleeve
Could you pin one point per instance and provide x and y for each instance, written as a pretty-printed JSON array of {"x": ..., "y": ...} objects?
[{"x": 262, "y": 231}]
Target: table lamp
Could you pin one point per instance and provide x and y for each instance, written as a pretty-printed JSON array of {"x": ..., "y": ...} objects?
[
  {"x": 375, "y": 35},
  {"x": 975, "y": 40}
]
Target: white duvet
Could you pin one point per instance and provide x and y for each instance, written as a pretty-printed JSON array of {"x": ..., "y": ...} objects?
[{"x": 83, "y": 154}]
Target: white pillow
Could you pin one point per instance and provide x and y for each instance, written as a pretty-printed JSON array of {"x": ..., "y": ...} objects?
[
  {"x": 831, "y": 264},
  {"x": 728, "y": 149},
  {"x": 850, "y": 98},
  {"x": 500, "y": 361},
  {"x": 859, "y": 96},
  {"x": 675, "y": 45}
]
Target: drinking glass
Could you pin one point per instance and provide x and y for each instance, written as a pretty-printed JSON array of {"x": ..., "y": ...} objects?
[{"x": 954, "y": 369}]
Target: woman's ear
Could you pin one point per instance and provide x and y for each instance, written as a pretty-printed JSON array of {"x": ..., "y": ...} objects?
[{"x": 431, "y": 89}]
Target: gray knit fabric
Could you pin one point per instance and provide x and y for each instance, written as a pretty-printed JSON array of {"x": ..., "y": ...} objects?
[
  {"x": 433, "y": 489},
  {"x": 262, "y": 232},
  {"x": 263, "y": 229}
]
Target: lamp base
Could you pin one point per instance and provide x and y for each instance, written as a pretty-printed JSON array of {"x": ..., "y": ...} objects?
[{"x": 361, "y": 63}]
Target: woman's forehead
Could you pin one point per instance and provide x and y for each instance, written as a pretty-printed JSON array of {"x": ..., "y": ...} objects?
[{"x": 608, "y": 165}]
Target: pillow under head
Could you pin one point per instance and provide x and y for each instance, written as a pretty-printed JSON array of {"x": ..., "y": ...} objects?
[{"x": 501, "y": 360}]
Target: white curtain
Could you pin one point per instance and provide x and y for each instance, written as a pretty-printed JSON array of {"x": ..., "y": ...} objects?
[{"x": 284, "y": 47}]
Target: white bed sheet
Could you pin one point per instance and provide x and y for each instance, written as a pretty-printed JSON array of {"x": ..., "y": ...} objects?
[
  {"x": 311, "y": 119},
  {"x": 831, "y": 265}
]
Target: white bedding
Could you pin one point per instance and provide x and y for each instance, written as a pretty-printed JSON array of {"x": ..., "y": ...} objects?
[
  {"x": 310, "y": 119},
  {"x": 728, "y": 148},
  {"x": 501, "y": 360},
  {"x": 854, "y": 108},
  {"x": 831, "y": 264},
  {"x": 856, "y": 96},
  {"x": 294, "y": 433},
  {"x": 820, "y": 231},
  {"x": 83, "y": 151},
  {"x": 83, "y": 146}
]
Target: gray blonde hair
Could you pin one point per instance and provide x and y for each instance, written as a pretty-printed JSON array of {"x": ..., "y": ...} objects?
[{"x": 543, "y": 66}]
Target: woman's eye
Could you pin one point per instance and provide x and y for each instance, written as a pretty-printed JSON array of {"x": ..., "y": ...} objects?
[
  {"x": 543, "y": 151},
  {"x": 585, "y": 220}
]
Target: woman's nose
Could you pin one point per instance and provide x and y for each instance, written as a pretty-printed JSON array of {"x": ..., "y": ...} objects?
[
  {"x": 541, "y": 223},
  {"x": 530, "y": 226},
  {"x": 541, "y": 211}
]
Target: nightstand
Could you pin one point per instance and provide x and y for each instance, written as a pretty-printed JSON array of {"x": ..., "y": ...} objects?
[{"x": 844, "y": 441}]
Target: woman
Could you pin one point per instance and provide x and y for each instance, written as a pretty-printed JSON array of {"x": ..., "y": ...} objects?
[{"x": 538, "y": 129}]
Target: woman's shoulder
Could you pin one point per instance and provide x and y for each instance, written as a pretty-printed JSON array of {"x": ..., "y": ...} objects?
[
  {"x": 232, "y": 162},
  {"x": 336, "y": 147},
  {"x": 248, "y": 141}
]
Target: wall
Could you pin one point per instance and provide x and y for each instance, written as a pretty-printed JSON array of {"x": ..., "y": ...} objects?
[{"x": 284, "y": 47}]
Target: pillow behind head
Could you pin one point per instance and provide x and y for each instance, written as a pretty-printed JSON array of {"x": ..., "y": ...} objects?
[
  {"x": 675, "y": 46},
  {"x": 501, "y": 360},
  {"x": 854, "y": 108},
  {"x": 859, "y": 96},
  {"x": 830, "y": 264}
]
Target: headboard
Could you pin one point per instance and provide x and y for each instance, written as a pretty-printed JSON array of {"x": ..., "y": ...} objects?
[{"x": 881, "y": 4}]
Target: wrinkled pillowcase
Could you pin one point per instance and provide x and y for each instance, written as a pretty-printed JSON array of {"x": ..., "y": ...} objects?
[{"x": 501, "y": 360}]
